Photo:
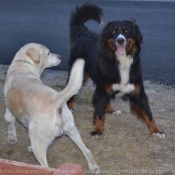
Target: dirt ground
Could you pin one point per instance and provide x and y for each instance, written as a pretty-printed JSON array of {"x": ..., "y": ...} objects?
[{"x": 126, "y": 147}]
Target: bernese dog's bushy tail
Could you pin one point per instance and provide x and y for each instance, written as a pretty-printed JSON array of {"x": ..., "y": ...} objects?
[{"x": 82, "y": 14}]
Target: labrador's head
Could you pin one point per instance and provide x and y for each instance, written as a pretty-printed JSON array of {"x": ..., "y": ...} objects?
[{"x": 39, "y": 56}]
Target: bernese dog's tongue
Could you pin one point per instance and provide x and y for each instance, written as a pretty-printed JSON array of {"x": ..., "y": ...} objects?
[{"x": 121, "y": 49}]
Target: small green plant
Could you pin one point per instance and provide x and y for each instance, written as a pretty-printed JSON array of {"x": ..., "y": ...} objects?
[
  {"x": 168, "y": 87},
  {"x": 153, "y": 82},
  {"x": 84, "y": 97},
  {"x": 60, "y": 87}
]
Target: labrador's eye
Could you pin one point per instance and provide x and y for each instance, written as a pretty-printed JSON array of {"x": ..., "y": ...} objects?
[{"x": 48, "y": 54}]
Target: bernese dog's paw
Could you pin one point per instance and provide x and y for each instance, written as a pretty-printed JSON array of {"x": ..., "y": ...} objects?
[
  {"x": 117, "y": 112},
  {"x": 72, "y": 110},
  {"x": 159, "y": 134},
  {"x": 96, "y": 134}
]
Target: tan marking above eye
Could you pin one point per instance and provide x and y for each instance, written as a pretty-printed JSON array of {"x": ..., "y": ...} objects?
[
  {"x": 115, "y": 30},
  {"x": 124, "y": 29}
]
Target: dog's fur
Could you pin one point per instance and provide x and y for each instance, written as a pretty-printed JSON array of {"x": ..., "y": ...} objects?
[
  {"x": 38, "y": 107},
  {"x": 113, "y": 63}
]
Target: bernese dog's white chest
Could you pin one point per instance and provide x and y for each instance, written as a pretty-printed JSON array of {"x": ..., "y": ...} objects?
[{"x": 125, "y": 63}]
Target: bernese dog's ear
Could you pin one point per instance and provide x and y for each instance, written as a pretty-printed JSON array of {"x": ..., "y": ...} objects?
[
  {"x": 136, "y": 29},
  {"x": 105, "y": 32},
  {"x": 104, "y": 35}
]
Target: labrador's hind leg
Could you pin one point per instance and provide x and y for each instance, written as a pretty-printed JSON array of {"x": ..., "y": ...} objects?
[
  {"x": 10, "y": 120},
  {"x": 76, "y": 138},
  {"x": 39, "y": 143}
]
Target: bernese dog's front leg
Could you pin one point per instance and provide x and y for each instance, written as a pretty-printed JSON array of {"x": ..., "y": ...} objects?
[
  {"x": 100, "y": 101},
  {"x": 109, "y": 108},
  {"x": 139, "y": 105},
  {"x": 70, "y": 103},
  {"x": 98, "y": 126}
]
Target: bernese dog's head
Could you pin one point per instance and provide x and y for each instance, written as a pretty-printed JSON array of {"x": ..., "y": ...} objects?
[{"x": 121, "y": 37}]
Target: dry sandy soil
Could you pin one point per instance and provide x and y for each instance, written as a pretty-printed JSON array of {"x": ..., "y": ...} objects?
[{"x": 126, "y": 147}]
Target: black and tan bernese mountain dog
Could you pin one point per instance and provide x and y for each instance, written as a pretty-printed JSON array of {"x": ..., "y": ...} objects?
[{"x": 112, "y": 61}]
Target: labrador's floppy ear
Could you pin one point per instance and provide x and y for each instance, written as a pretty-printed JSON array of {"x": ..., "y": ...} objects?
[{"x": 33, "y": 53}]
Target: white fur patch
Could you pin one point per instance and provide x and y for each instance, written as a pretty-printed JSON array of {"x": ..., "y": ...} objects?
[
  {"x": 160, "y": 135},
  {"x": 117, "y": 112},
  {"x": 123, "y": 88},
  {"x": 97, "y": 136},
  {"x": 121, "y": 36},
  {"x": 124, "y": 69}
]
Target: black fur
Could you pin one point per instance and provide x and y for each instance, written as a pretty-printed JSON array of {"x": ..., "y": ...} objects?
[{"x": 99, "y": 52}]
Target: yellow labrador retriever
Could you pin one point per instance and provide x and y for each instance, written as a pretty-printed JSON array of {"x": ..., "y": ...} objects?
[{"x": 38, "y": 107}]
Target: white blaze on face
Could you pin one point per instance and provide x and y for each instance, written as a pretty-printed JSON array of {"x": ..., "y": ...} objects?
[{"x": 122, "y": 37}]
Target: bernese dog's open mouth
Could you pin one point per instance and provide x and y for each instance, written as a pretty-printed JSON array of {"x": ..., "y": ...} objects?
[
  {"x": 121, "y": 49},
  {"x": 126, "y": 48}
]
